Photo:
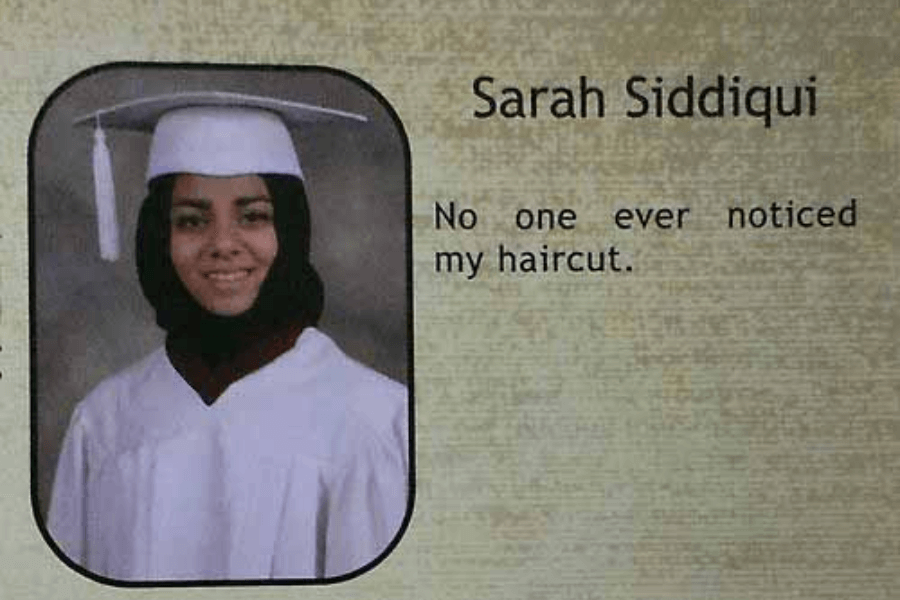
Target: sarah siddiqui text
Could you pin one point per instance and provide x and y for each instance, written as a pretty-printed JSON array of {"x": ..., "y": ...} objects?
[{"x": 718, "y": 97}]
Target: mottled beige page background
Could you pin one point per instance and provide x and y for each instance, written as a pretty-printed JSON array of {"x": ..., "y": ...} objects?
[{"x": 722, "y": 421}]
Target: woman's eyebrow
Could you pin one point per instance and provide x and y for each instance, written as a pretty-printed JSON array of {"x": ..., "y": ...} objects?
[
  {"x": 245, "y": 200},
  {"x": 192, "y": 202}
]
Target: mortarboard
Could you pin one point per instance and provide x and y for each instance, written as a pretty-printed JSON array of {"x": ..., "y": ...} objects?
[{"x": 208, "y": 133}]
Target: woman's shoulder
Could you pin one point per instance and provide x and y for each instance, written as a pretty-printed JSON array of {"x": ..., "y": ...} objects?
[
  {"x": 352, "y": 397},
  {"x": 317, "y": 354},
  {"x": 135, "y": 374},
  {"x": 109, "y": 397}
]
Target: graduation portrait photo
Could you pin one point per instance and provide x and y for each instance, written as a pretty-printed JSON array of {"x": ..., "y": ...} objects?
[{"x": 221, "y": 326}]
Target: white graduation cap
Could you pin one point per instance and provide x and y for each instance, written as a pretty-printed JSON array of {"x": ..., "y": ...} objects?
[{"x": 208, "y": 133}]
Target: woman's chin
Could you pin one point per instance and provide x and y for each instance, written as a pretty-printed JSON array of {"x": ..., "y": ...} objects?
[{"x": 229, "y": 308}]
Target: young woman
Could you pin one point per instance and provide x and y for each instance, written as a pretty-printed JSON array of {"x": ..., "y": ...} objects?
[{"x": 249, "y": 446}]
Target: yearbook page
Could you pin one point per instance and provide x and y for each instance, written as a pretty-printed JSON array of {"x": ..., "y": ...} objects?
[{"x": 488, "y": 299}]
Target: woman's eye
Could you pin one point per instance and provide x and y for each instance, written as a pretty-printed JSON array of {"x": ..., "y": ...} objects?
[
  {"x": 189, "y": 222},
  {"x": 256, "y": 217}
]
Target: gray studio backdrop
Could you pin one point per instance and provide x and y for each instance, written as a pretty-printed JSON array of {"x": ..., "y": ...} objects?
[{"x": 90, "y": 316}]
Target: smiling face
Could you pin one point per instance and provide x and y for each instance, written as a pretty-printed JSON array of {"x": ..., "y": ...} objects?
[{"x": 223, "y": 239}]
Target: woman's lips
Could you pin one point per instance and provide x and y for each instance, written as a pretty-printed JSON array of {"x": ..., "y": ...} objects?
[{"x": 230, "y": 276}]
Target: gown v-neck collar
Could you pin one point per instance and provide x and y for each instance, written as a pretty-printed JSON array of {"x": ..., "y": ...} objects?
[{"x": 210, "y": 382}]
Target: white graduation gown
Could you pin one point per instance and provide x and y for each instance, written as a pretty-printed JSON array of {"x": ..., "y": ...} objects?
[{"x": 298, "y": 470}]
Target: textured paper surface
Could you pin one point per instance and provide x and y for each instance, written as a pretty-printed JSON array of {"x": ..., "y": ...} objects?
[{"x": 723, "y": 422}]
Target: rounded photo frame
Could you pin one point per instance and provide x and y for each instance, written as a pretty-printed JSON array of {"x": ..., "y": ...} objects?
[{"x": 201, "y": 487}]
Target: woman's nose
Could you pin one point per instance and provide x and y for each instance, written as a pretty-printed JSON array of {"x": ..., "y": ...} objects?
[{"x": 224, "y": 238}]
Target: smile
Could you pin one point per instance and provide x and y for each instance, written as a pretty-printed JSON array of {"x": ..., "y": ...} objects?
[{"x": 228, "y": 276}]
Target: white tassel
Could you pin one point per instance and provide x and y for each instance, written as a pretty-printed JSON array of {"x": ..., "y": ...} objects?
[{"x": 105, "y": 197}]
